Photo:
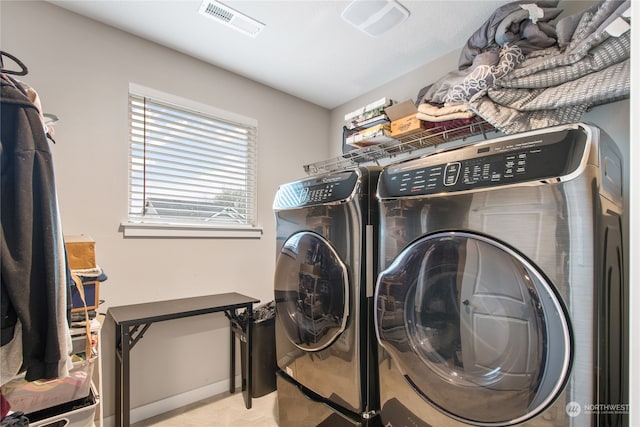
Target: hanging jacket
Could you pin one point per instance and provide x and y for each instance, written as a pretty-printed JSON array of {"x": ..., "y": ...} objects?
[{"x": 29, "y": 246}]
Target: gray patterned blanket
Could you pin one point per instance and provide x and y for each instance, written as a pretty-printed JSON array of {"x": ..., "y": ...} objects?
[
  {"x": 589, "y": 66},
  {"x": 514, "y": 78}
]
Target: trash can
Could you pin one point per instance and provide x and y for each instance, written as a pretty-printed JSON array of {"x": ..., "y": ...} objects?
[{"x": 263, "y": 359}]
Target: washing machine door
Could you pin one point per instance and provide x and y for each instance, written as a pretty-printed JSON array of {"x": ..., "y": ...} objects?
[
  {"x": 474, "y": 327},
  {"x": 311, "y": 288}
]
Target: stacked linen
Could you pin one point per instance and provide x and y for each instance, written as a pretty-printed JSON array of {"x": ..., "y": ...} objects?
[
  {"x": 442, "y": 119},
  {"x": 589, "y": 65},
  {"x": 432, "y": 113}
]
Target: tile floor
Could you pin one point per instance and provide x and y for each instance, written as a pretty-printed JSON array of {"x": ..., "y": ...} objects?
[{"x": 225, "y": 410}]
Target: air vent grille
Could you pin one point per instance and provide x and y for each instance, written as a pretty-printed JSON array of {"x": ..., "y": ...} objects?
[
  {"x": 231, "y": 18},
  {"x": 218, "y": 12}
]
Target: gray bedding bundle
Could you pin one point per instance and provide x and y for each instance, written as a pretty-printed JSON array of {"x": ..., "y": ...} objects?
[{"x": 520, "y": 72}]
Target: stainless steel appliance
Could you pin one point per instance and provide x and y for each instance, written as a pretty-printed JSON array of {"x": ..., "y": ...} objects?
[
  {"x": 324, "y": 279},
  {"x": 502, "y": 299}
]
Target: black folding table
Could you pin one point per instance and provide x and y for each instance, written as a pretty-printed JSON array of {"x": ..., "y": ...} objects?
[{"x": 132, "y": 321}]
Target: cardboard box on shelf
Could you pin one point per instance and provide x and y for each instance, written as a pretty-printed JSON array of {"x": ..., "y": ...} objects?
[
  {"x": 403, "y": 119},
  {"x": 81, "y": 252}
]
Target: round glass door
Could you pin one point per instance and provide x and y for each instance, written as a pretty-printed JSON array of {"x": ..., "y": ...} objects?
[
  {"x": 311, "y": 288},
  {"x": 475, "y": 329}
]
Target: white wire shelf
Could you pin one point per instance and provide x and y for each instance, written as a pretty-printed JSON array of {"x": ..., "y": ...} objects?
[{"x": 401, "y": 146}]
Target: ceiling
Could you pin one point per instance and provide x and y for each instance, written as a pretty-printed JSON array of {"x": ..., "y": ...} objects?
[{"x": 306, "y": 49}]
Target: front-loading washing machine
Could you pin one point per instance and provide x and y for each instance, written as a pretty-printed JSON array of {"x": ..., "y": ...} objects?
[
  {"x": 502, "y": 295},
  {"x": 324, "y": 279}
]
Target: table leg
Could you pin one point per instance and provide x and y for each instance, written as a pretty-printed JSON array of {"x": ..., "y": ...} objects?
[
  {"x": 126, "y": 401},
  {"x": 232, "y": 362},
  {"x": 118, "y": 386},
  {"x": 249, "y": 365}
]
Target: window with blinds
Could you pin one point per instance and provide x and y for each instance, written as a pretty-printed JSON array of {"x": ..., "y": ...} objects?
[{"x": 187, "y": 166}]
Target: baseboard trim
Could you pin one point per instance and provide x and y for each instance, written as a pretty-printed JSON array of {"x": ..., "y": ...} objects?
[{"x": 174, "y": 402}]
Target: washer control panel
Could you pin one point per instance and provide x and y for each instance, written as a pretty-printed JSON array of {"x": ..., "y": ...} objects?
[
  {"x": 330, "y": 188},
  {"x": 494, "y": 163}
]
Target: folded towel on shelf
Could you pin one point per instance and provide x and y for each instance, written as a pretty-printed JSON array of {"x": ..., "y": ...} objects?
[
  {"x": 445, "y": 117},
  {"x": 452, "y": 123},
  {"x": 442, "y": 110}
]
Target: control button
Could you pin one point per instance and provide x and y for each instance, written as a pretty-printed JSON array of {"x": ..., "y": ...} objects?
[{"x": 451, "y": 173}]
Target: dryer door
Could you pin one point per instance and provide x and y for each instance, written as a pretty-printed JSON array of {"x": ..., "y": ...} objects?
[
  {"x": 311, "y": 288},
  {"x": 475, "y": 329}
]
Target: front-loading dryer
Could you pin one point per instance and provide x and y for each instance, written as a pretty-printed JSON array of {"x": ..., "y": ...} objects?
[
  {"x": 502, "y": 299},
  {"x": 324, "y": 279}
]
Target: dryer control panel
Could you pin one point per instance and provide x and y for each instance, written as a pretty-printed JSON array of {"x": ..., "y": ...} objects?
[
  {"x": 325, "y": 189},
  {"x": 494, "y": 163}
]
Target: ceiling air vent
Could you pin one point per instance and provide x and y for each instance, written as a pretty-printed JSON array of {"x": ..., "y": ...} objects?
[
  {"x": 375, "y": 17},
  {"x": 231, "y": 18}
]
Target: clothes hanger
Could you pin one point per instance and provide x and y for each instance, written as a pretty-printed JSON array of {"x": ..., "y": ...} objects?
[{"x": 23, "y": 68}]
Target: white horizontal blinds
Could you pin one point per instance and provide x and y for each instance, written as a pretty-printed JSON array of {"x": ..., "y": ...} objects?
[{"x": 189, "y": 167}]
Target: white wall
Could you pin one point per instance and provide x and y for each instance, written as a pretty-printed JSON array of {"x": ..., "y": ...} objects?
[{"x": 81, "y": 70}]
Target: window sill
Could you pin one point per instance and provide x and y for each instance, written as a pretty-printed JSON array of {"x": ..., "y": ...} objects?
[{"x": 183, "y": 230}]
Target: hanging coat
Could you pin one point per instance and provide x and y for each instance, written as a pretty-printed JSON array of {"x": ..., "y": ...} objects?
[{"x": 29, "y": 247}]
